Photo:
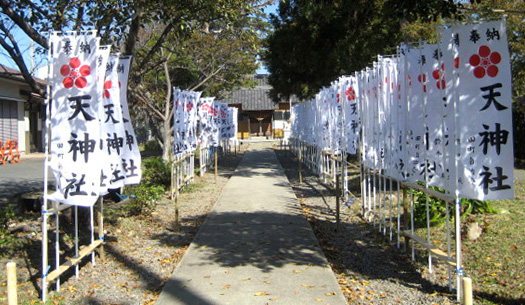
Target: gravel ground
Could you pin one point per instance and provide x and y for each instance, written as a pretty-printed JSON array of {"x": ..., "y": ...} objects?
[
  {"x": 142, "y": 252},
  {"x": 369, "y": 268}
]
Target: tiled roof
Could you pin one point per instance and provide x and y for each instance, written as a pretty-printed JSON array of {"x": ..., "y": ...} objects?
[
  {"x": 254, "y": 99},
  {"x": 12, "y": 74}
]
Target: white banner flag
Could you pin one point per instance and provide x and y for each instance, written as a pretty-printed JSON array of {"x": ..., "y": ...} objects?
[
  {"x": 112, "y": 128},
  {"x": 485, "y": 112},
  {"x": 131, "y": 159},
  {"x": 75, "y": 157}
]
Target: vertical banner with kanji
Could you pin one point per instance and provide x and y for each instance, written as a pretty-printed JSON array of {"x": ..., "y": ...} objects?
[
  {"x": 75, "y": 131},
  {"x": 208, "y": 131},
  {"x": 131, "y": 159},
  {"x": 350, "y": 96},
  {"x": 416, "y": 90},
  {"x": 485, "y": 112},
  {"x": 185, "y": 120},
  {"x": 112, "y": 128}
]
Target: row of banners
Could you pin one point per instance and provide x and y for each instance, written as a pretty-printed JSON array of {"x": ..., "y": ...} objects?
[
  {"x": 435, "y": 113},
  {"x": 201, "y": 121},
  {"x": 93, "y": 146}
]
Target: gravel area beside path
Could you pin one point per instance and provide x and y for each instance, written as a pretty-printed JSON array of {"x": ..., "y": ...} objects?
[
  {"x": 140, "y": 252},
  {"x": 369, "y": 268}
]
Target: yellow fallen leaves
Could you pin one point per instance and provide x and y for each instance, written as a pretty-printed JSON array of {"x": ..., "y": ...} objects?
[
  {"x": 329, "y": 294},
  {"x": 307, "y": 286},
  {"x": 261, "y": 293}
]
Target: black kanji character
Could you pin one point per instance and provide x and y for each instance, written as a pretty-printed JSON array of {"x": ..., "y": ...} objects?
[
  {"x": 80, "y": 107},
  {"x": 102, "y": 178},
  {"x": 120, "y": 68},
  {"x": 491, "y": 97},
  {"x": 353, "y": 108},
  {"x": 492, "y": 34},
  {"x": 486, "y": 180},
  {"x": 84, "y": 147},
  {"x": 109, "y": 112},
  {"x": 74, "y": 184},
  {"x": 116, "y": 175},
  {"x": 493, "y": 138},
  {"x": 474, "y": 36},
  {"x": 429, "y": 167},
  {"x": 67, "y": 48},
  {"x": 437, "y": 54},
  {"x": 422, "y": 60},
  {"x": 114, "y": 143},
  {"x": 109, "y": 66},
  {"x": 130, "y": 140},
  {"x": 85, "y": 47},
  {"x": 455, "y": 39}
]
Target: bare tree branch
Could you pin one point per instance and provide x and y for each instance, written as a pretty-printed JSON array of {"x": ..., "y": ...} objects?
[
  {"x": 27, "y": 28},
  {"x": 16, "y": 55}
]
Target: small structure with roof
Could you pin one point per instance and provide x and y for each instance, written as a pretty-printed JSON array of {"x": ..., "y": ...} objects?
[
  {"x": 21, "y": 112},
  {"x": 258, "y": 115}
]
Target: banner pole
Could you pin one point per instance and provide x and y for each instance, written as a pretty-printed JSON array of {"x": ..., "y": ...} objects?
[
  {"x": 45, "y": 197},
  {"x": 76, "y": 240}
]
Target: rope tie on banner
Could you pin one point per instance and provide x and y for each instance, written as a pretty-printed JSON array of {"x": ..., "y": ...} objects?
[
  {"x": 349, "y": 202},
  {"x": 49, "y": 212},
  {"x": 124, "y": 197},
  {"x": 460, "y": 271},
  {"x": 102, "y": 237},
  {"x": 45, "y": 274}
]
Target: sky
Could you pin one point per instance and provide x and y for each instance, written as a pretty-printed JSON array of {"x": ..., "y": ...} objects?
[{"x": 270, "y": 9}]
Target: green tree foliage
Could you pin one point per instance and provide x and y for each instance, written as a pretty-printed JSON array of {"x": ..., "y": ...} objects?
[
  {"x": 314, "y": 42},
  {"x": 204, "y": 45}
]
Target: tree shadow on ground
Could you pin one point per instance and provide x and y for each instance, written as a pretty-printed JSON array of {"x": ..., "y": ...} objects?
[{"x": 370, "y": 255}]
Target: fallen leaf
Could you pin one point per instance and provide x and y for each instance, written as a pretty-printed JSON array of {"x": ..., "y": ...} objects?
[
  {"x": 226, "y": 287},
  {"x": 297, "y": 271},
  {"x": 307, "y": 286},
  {"x": 207, "y": 276},
  {"x": 261, "y": 293},
  {"x": 246, "y": 279},
  {"x": 267, "y": 282},
  {"x": 318, "y": 300},
  {"x": 329, "y": 294}
]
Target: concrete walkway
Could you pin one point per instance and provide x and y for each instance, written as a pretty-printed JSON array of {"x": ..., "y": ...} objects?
[
  {"x": 25, "y": 177},
  {"x": 256, "y": 247}
]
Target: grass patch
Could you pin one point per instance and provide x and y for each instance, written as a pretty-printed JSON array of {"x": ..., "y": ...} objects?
[
  {"x": 496, "y": 260},
  {"x": 193, "y": 187}
]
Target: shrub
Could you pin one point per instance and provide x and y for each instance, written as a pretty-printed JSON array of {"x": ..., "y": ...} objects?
[
  {"x": 437, "y": 208},
  {"x": 8, "y": 241},
  {"x": 157, "y": 172},
  {"x": 152, "y": 146},
  {"x": 144, "y": 198}
]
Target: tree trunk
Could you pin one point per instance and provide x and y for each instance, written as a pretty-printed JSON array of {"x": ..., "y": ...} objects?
[
  {"x": 166, "y": 139},
  {"x": 166, "y": 132}
]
